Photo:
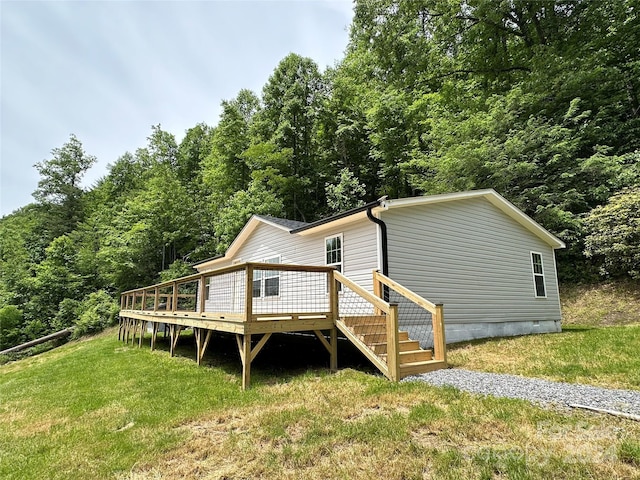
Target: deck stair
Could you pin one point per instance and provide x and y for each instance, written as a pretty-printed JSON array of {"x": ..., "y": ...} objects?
[{"x": 370, "y": 333}]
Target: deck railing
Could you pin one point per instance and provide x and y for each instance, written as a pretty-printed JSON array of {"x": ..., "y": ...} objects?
[
  {"x": 245, "y": 292},
  {"x": 413, "y": 305},
  {"x": 265, "y": 298}
]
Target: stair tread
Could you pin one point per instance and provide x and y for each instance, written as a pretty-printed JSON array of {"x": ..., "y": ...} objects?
[{"x": 422, "y": 362}]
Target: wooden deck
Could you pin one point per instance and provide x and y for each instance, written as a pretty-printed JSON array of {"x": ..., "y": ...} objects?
[{"x": 256, "y": 300}]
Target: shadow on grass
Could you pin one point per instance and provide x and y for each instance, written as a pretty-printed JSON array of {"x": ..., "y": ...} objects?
[{"x": 284, "y": 356}]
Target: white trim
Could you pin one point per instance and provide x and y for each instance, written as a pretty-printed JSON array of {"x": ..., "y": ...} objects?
[
  {"x": 534, "y": 274},
  {"x": 341, "y": 262},
  {"x": 555, "y": 271},
  {"x": 263, "y": 278}
]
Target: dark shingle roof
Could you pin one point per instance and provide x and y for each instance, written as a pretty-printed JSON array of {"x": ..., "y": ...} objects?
[{"x": 289, "y": 224}]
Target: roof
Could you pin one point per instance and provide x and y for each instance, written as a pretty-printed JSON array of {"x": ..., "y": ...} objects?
[
  {"x": 490, "y": 195},
  {"x": 383, "y": 204},
  {"x": 283, "y": 222}
]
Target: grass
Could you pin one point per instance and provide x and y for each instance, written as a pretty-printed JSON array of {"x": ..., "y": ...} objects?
[
  {"x": 100, "y": 409},
  {"x": 599, "y": 343},
  {"x": 606, "y": 357}
]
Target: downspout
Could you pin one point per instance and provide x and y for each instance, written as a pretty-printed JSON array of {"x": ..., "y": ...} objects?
[{"x": 384, "y": 246}]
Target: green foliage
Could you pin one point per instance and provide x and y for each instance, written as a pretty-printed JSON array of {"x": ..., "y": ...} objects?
[
  {"x": 97, "y": 312},
  {"x": 10, "y": 326},
  {"x": 614, "y": 234},
  {"x": 177, "y": 269},
  {"x": 346, "y": 194},
  {"x": 256, "y": 200},
  {"x": 68, "y": 312},
  {"x": 538, "y": 100},
  {"x": 59, "y": 185}
]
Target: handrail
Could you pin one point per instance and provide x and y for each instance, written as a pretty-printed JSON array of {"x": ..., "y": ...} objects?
[
  {"x": 436, "y": 310},
  {"x": 130, "y": 298},
  {"x": 392, "y": 367},
  {"x": 232, "y": 268},
  {"x": 366, "y": 294},
  {"x": 405, "y": 292}
]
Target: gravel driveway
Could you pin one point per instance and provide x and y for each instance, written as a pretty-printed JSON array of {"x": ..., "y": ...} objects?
[{"x": 535, "y": 390}]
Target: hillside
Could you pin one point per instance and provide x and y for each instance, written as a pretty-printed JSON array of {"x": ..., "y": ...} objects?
[{"x": 96, "y": 408}]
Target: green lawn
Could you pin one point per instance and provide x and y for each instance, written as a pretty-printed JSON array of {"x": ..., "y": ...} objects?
[
  {"x": 100, "y": 409},
  {"x": 602, "y": 356}
]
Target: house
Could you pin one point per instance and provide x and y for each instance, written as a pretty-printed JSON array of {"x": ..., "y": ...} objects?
[{"x": 492, "y": 266}]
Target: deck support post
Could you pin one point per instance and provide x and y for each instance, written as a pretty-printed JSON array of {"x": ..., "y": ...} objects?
[
  {"x": 244, "y": 345},
  {"x": 393, "y": 347},
  {"x": 331, "y": 346},
  {"x": 154, "y": 335},
  {"x": 202, "y": 341},
  {"x": 143, "y": 327},
  {"x": 174, "y": 331},
  {"x": 333, "y": 353},
  {"x": 439, "y": 341},
  {"x": 135, "y": 330}
]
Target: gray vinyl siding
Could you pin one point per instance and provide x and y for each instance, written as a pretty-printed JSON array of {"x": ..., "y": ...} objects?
[
  {"x": 359, "y": 253},
  {"x": 474, "y": 259}
]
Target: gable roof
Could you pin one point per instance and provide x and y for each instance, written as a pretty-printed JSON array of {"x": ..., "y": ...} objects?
[
  {"x": 302, "y": 228},
  {"x": 283, "y": 222},
  {"x": 492, "y": 197}
]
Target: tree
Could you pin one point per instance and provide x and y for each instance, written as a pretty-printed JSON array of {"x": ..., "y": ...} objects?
[
  {"x": 614, "y": 234},
  {"x": 256, "y": 200},
  {"x": 226, "y": 170},
  {"x": 10, "y": 326},
  {"x": 291, "y": 99},
  {"x": 59, "y": 186},
  {"x": 345, "y": 194},
  {"x": 192, "y": 151}
]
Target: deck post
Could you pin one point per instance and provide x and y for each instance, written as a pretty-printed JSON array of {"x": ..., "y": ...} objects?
[
  {"x": 202, "y": 289},
  {"x": 135, "y": 330},
  {"x": 439, "y": 340},
  {"x": 156, "y": 299},
  {"x": 393, "y": 348},
  {"x": 333, "y": 356},
  {"x": 174, "y": 301},
  {"x": 248, "y": 301},
  {"x": 154, "y": 334},
  {"x": 174, "y": 331},
  {"x": 334, "y": 307},
  {"x": 202, "y": 341},
  {"x": 143, "y": 327},
  {"x": 377, "y": 291},
  {"x": 244, "y": 345}
]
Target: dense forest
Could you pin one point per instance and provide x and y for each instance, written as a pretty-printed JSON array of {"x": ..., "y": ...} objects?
[{"x": 537, "y": 99}]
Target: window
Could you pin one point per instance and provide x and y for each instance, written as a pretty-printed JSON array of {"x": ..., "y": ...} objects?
[
  {"x": 333, "y": 253},
  {"x": 538, "y": 274},
  {"x": 266, "y": 283}
]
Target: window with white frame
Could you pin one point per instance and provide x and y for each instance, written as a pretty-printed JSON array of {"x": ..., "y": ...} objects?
[
  {"x": 538, "y": 274},
  {"x": 266, "y": 283},
  {"x": 333, "y": 253}
]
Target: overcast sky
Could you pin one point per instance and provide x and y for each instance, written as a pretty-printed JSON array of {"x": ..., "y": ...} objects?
[{"x": 107, "y": 71}]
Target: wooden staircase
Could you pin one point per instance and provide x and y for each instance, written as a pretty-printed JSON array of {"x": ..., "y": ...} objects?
[{"x": 369, "y": 334}]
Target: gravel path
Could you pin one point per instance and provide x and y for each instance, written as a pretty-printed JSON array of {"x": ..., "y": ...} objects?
[{"x": 533, "y": 389}]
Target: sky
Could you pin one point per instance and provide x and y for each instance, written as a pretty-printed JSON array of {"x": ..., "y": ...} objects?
[{"x": 106, "y": 71}]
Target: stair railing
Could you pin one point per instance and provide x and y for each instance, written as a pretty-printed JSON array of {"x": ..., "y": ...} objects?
[
  {"x": 436, "y": 310},
  {"x": 390, "y": 368}
]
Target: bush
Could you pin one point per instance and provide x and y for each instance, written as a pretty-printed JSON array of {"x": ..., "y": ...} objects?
[
  {"x": 614, "y": 234},
  {"x": 10, "y": 324},
  {"x": 67, "y": 315},
  {"x": 97, "y": 312}
]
